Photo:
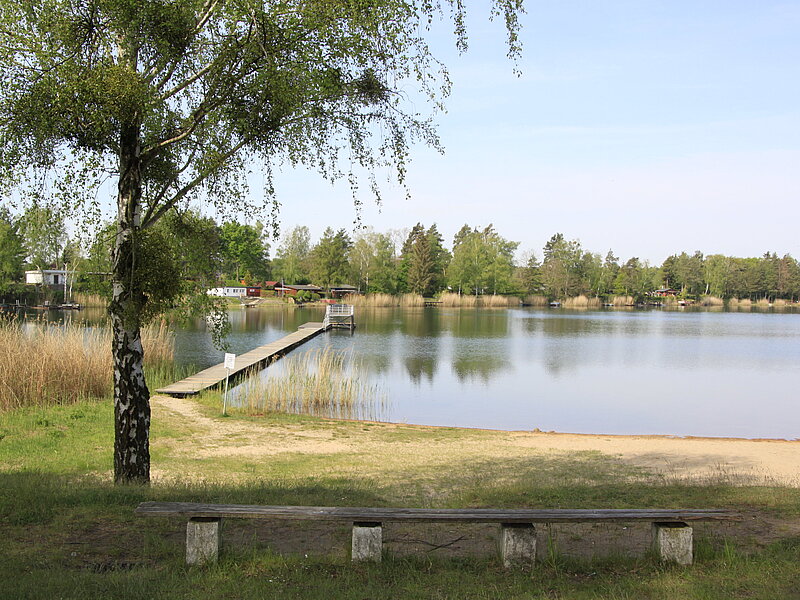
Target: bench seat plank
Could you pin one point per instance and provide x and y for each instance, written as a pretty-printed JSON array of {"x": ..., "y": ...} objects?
[{"x": 465, "y": 515}]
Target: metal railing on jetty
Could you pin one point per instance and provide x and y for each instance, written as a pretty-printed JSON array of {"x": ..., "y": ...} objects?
[{"x": 339, "y": 316}]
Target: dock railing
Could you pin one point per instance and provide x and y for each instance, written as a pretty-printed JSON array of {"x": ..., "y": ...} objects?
[{"x": 339, "y": 315}]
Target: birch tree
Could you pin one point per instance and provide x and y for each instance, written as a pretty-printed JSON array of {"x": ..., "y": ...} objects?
[{"x": 176, "y": 100}]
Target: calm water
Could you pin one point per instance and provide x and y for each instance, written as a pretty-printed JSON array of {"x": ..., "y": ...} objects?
[{"x": 639, "y": 372}]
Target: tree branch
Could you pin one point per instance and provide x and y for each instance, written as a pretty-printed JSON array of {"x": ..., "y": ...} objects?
[
  {"x": 155, "y": 215},
  {"x": 208, "y": 7},
  {"x": 186, "y": 83}
]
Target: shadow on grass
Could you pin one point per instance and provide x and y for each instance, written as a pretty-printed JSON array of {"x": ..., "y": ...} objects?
[
  {"x": 78, "y": 538},
  {"x": 35, "y": 497}
]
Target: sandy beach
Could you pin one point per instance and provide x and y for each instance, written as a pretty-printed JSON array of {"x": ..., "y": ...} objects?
[{"x": 734, "y": 460}]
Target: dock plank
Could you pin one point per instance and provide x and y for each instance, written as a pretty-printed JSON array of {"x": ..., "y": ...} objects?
[{"x": 214, "y": 376}]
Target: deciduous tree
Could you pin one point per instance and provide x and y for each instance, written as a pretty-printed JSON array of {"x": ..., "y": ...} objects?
[
  {"x": 12, "y": 251},
  {"x": 175, "y": 99},
  {"x": 330, "y": 258},
  {"x": 291, "y": 264}
]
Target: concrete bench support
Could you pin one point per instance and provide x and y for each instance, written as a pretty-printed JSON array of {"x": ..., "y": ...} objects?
[
  {"x": 672, "y": 542},
  {"x": 367, "y": 541},
  {"x": 518, "y": 545},
  {"x": 203, "y": 540},
  {"x": 672, "y": 536}
]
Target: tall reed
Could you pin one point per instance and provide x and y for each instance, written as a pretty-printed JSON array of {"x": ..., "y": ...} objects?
[
  {"x": 581, "y": 302},
  {"x": 450, "y": 300},
  {"x": 86, "y": 299},
  {"x": 42, "y": 364},
  {"x": 498, "y": 301},
  {"x": 410, "y": 300},
  {"x": 322, "y": 383},
  {"x": 763, "y": 303},
  {"x": 536, "y": 300},
  {"x": 371, "y": 300},
  {"x": 468, "y": 301},
  {"x": 623, "y": 301},
  {"x": 712, "y": 301}
]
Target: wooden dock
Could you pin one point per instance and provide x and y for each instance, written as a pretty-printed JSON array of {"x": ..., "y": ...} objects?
[
  {"x": 336, "y": 315},
  {"x": 260, "y": 357}
]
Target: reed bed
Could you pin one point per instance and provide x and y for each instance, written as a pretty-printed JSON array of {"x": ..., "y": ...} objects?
[
  {"x": 763, "y": 303},
  {"x": 622, "y": 301},
  {"x": 711, "y": 301},
  {"x": 85, "y": 299},
  {"x": 43, "y": 365},
  {"x": 322, "y": 383},
  {"x": 411, "y": 300},
  {"x": 498, "y": 301},
  {"x": 739, "y": 304},
  {"x": 376, "y": 300},
  {"x": 468, "y": 301},
  {"x": 453, "y": 300},
  {"x": 780, "y": 304},
  {"x": 581, "y": 302},
  {"x": 450, "y": 300},
  {"x": 536, "y": 300}
]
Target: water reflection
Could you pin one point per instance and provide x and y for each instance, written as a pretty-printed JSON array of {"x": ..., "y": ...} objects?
[
  {"x": 469, "y": 367},
  {"x": 687, "y": 372},
  {"x": 473, "y": 323}
]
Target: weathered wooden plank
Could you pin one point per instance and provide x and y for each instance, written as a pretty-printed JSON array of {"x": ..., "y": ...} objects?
[
  {"x": 467, "y": 515},
  {"x": 214, "y": 376}
]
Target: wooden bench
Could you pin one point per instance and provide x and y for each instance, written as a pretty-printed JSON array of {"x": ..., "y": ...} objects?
[{"x": 672, "y": 532}]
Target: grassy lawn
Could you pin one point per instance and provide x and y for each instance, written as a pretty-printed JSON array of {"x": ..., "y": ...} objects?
[{"x": 70, "y": 533}]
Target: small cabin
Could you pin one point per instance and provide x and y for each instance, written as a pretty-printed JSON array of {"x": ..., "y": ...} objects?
[
  {"x": 339, "y": 291},
  {"x": 292, "y": 290},
  {"x": 254, "y": 291},
  {"x": 228, "y": 292},
  {"x": 50, "y": 277},
  {"x": 666, "y": 293}
]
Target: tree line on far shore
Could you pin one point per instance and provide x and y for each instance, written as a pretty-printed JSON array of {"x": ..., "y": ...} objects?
[{"x": 193, "y": 252}]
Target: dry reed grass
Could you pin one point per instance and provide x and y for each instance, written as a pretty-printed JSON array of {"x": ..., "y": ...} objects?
[
  {"x": 468, "y": 301},
  {"x": 453, "y": 300},
  {"x": 536, "y": 300},
  {"x": 581, "y": 302},
  {"x": 411, "y": 300},
  {"x": 712, "y": 301},
  {"x": 450, "y": 300},
  {"x": 322, "y": 383},
  {"x": 85, "y": 299},
  {"x": 43, "y": 364},
  {"x": 623, "y": 301},
  {"x": 739, "y": 304},
  {"x": 498, "y": 301},
  {"x": 780, "y": 303},
  {"x": 763, "y": 303},
  {"x": 376, "y": 300}
]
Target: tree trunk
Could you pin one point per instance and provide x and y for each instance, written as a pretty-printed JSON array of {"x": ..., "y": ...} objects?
[{"x": 131, "y": 396}]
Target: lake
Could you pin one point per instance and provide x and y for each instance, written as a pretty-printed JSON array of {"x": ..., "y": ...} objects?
[{"x": 685, "y": 373}]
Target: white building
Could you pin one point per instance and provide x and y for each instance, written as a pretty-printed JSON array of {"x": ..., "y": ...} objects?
[
  {"x": 228, "y": 292},
  {"x": 51, "y": 277}
]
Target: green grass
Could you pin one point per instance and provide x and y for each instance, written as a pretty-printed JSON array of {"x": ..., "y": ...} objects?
[{"x": 70, "y": 533}]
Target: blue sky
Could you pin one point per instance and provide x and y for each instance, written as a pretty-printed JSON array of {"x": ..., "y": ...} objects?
[{"x": 641, "y": 126}]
